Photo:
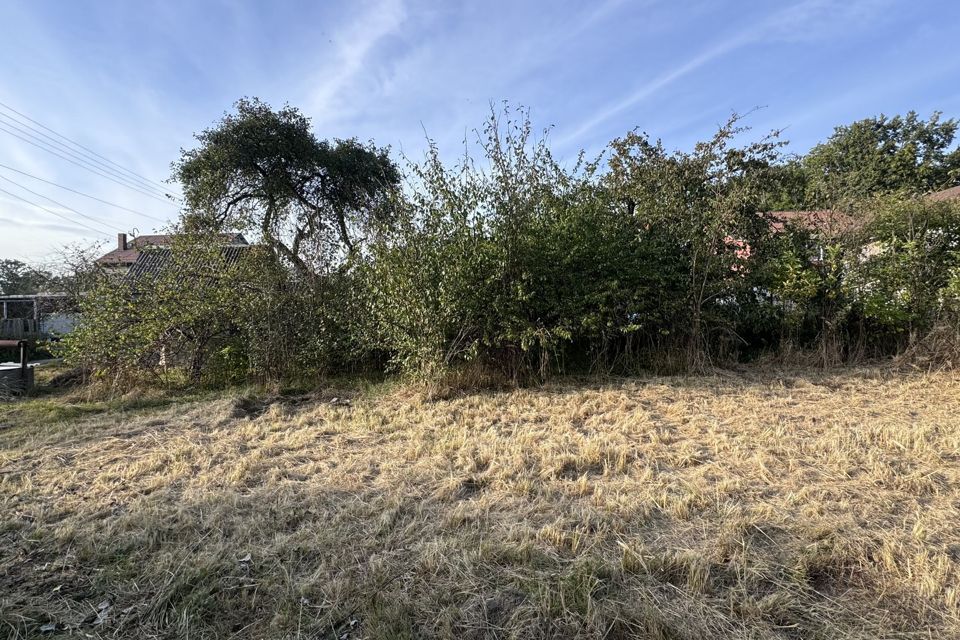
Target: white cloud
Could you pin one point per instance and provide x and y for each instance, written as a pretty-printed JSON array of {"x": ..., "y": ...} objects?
[
  {"x": 353, "y": 46},
  {"x": 652, "y": 87},
  {"x": 807, "y": 20}
]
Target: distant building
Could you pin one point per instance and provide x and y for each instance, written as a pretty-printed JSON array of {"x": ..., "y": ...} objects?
[
  {"x": 125, "y": 255},
  {"x": 952, "y": 193},
  {"x": 829, "y": 220},
  {"x": 825, "y": 220},
  {"x": 36, "y": 316},
  {"x": 45, "y": 316},
  {"x": 156, "y": 261}
]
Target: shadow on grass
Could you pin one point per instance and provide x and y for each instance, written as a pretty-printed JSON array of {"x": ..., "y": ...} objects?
[
  {"x": 52, "y": 409},
  {"x": 287, "y": 550},
  {"x": 274, "y": 543}
]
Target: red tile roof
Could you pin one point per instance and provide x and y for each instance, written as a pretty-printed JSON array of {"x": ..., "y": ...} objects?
[
  {"x": 128, "y": 255},
  {"x": 946, "y": 194},
  {"x": 829, "y": 220},
  {"x": 119, "y": 257},
  {"x": 816, "y": 220}
]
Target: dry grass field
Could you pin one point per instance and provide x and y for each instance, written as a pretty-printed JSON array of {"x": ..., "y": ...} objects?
[{"x": 753, "y": 505}]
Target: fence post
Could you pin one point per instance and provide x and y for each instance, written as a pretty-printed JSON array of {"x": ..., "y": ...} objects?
[{"x": 24, "y": 369}]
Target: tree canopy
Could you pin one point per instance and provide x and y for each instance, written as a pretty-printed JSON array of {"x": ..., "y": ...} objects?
[
  {"x": 509, "y": 264},
  {"x": 883, "y": 155},
  {"x": 20, "y": 278},
  {"x": 263, "y": 170}
]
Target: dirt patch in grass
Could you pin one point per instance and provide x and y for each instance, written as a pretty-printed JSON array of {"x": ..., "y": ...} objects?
[{"x": 758, "y": 505}]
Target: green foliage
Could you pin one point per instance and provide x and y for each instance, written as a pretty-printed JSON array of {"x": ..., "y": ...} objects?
[
  {"x": 301, "y": 330},
  {"x": 264, "y": 171},
  {"x": 510, "y": 263},
  {"x": 518, "y": 264},
  {"x": 112, "y": 339},
  {"x": 912, "y": 249},
  {"x": 950, "y": 296},
  {"x": 883, "y": 155},
  {"x": 708, "y": 203},
  {"x": 19, "y": 278},
  {"x": 454, "y": 280},
  {"x": 787, "y": 186},
  {"x": 810, "y": 282},
  {"x": 187, "y": 314}
]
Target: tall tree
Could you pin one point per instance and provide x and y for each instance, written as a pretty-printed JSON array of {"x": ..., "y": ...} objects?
[
  {"x": 19, "y": 278},
  {"x": 73, "y": 268},
  {"x": 883, "y": 155},
  {"x": 264, "y": 171}
]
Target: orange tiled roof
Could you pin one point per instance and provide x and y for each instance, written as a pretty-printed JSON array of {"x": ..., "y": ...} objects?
[
  {"x": 127, "y": 255},
  {"x": 946, "y": 194},
  {"x": 818, "y": 219}
]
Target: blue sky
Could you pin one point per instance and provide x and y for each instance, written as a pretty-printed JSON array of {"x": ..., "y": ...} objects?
[{"x": 134, "y": 80}]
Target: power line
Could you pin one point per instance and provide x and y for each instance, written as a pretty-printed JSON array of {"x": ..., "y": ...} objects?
[
  {"x": 50, "y": 211},
  {"x": 74, "y": 162},
  {"x": 59, "y": 204},
  {"x": 77, "y": 144},
  {"x": 80, "y": 193},
  {"x": 78, "y": 159},
  {"x": 85, "y": 158}
]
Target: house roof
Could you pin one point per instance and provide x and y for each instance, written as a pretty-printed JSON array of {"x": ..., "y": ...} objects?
[
  {"x": 947, "y": 194},
  {"x": 166, "y": 239},
  {"x": 155, "y": 260},
  {"x": 119, "y": 256},
  {"x": 815, "y": 220},
  {"x": 128, "y": 254},
  {"x": 831, "y": 220}
]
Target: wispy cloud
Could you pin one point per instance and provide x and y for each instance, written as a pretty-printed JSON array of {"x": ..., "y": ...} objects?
[
  {"x": 133, "y": 81},
  {"x": 601, "y": 11},
  {"x": 655, "y": 85},
  {"x": 813, "y": 20},
  {"x": 353, "y": 45},
  {"x": 69, "y": 230},
  {"x": 807, "y": 20}
]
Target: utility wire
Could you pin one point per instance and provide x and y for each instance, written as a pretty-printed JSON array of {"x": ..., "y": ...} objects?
[
  {"x": 83, "y": 162},
  {"x": 59, "y": 204},
  {"x": 71, "y": 161},
  {"x": 77, "y": 144},
  {"x": 85, "y": 158},
  {"x": 80, "y": 193},
  {"x": 50, "y": 211}
]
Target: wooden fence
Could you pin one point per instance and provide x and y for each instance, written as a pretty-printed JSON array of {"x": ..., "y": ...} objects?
[{"x": 19, "y": 328}]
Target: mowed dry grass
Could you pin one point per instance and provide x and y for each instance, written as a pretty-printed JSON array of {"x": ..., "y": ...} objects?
[{"x": 757, "y": 505}]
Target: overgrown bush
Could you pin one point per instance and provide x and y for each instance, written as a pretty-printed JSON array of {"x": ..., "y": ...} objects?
[
  {"x": 509, "y": 263},
  {"x": 517, "y": 263},
  {"x": 301, "y": 330},
  {"x": 706, "y": 203},
  {"x": 183, "y": 313}
]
